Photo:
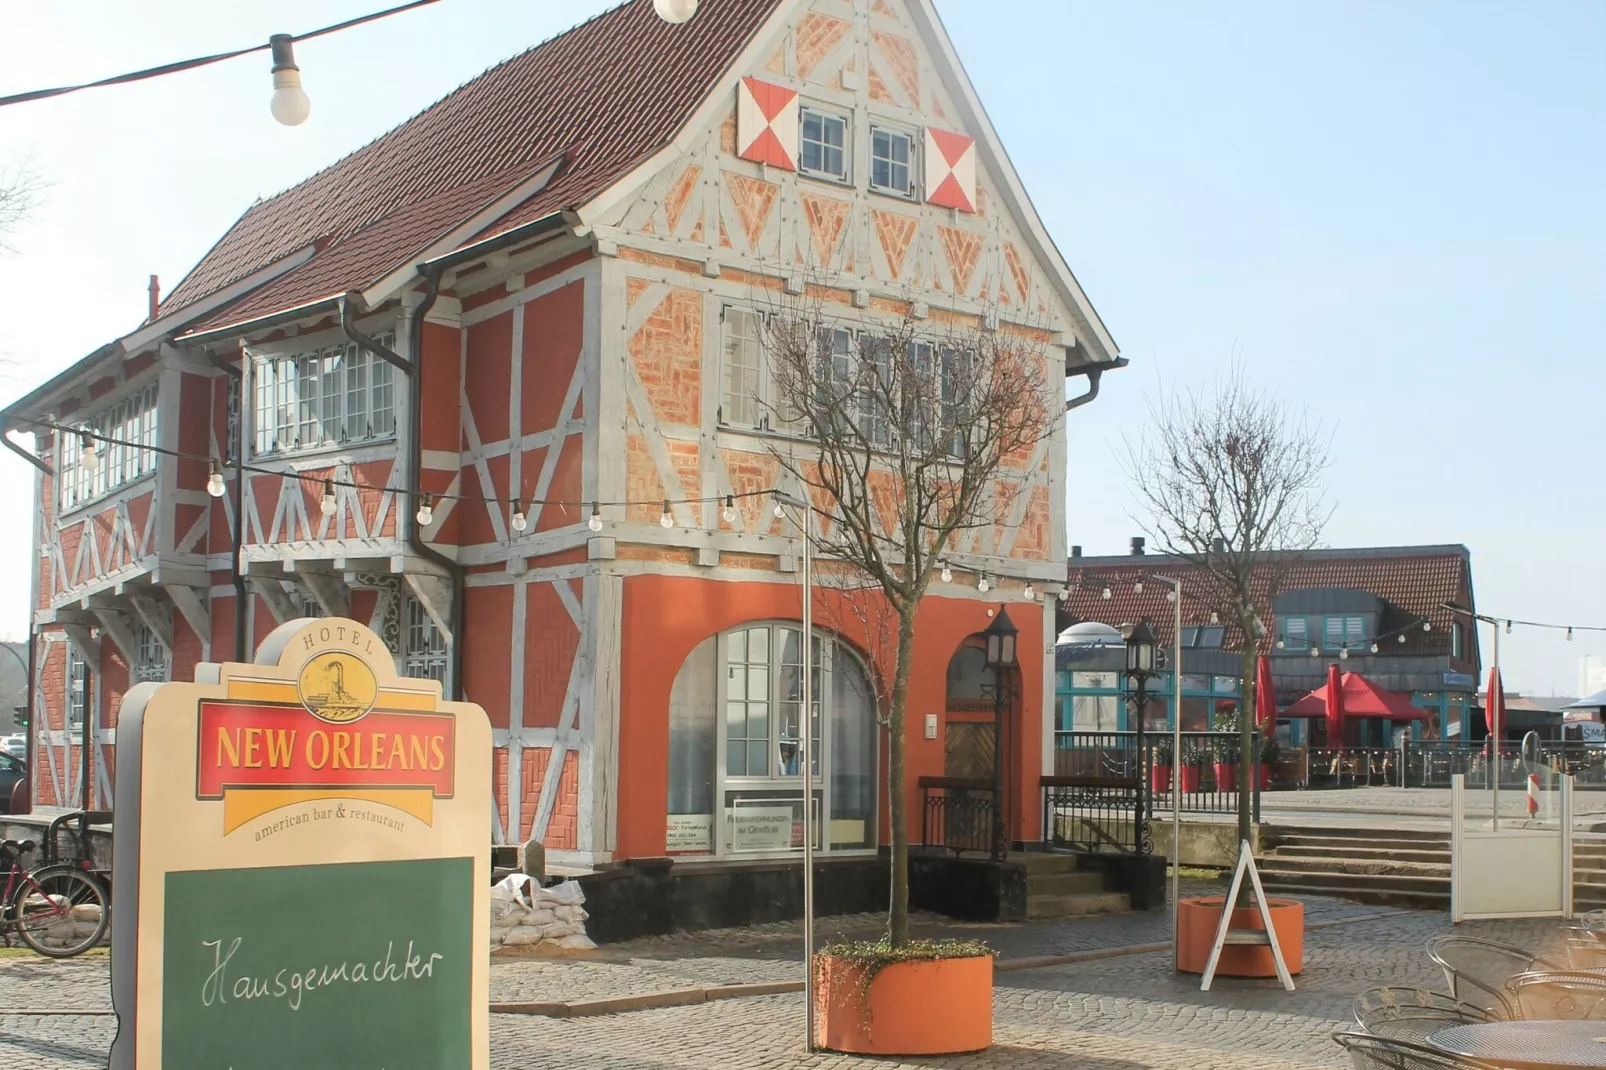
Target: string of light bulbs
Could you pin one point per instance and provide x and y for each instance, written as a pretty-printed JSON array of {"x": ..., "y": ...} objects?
[
  {"x": 1509, "y": 621},
  {"x": 518, "y": 515},
  {"x": 289, "y": 103}
]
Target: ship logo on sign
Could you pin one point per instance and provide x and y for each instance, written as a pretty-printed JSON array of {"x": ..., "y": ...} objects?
[{"x": 337, "y": 687}]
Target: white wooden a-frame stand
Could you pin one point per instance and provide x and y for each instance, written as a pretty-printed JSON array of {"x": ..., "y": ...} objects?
[{"x": 1226, "y": 935}]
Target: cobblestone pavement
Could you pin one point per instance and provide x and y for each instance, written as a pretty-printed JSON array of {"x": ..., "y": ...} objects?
[
  {"x": 1119, "y": 1013},
  {"x": 1426, "y": 802}
]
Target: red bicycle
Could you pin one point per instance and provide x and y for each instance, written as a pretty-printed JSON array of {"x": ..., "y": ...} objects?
[{"x": 58, "y": 909}]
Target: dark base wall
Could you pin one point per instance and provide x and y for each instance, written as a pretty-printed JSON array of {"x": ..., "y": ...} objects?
[
  {"x": 652, "y": 897},
  {"x": 970, "y": 889},
  {"x": 1142, "y": 877}
]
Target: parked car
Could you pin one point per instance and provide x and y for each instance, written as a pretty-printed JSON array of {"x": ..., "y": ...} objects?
[
  {"x": 12, "y": 772},
  {"x": 16, "y": 746}
]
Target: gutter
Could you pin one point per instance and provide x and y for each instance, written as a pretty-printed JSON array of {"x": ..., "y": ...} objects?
[
  {"x": 1093, "y": 371},
  {"x": 242, "y": 605},
  {"x": 26, "y": 455}
]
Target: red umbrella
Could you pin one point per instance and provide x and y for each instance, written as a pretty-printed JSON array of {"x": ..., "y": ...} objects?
[
  {"x": 1494, "y": 705},
  {"x": 1265, "y": 696},
  {"x": 1335, "y": 706}
]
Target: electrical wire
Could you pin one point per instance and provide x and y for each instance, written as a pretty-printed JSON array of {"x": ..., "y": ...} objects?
[{"x": 202, "y": 61}]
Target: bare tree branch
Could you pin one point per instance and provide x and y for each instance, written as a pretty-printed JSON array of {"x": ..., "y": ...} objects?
[{"x": 21, "y": 191}]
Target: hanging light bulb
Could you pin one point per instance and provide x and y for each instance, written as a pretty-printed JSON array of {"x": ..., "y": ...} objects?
[
  {"x": 426, "y": 512},
  {"x": 947, "y": 573},
  {"x": 1343, "y": 653},
  {"x": 1427, "y": 626},
  {"x": 1215, "y": 618},
  {"x": 1315, "y": 651},
  {"x": 1137, "y": 588},
  {"x": 1281, "y": 642},
  {"x": 1569, "y": 635},
  {"x": 1030, "y": 592},
  {"x": 668, "y": 519},
  {"x": 982, "y": 585},
  {"x": 1105, "y": 594},
  {"x": 1401, "y": 637},
  {"x": 1171, "y": 595},
  {"x": 214, "y": 482},
  {"x": 289, "y": 105},
  {"x": 518, "y": 521},
  {"x": 327, "y": 506},
  {"x": 779, "y": 512},
  {"x": 1508, "y": 627},
  {"x": 675, "y": 11},
  {"x": 595, "y": 523},
  {"x": 1374, "y": 648},
  {"x": 1065, "y": 594},
  {"x": 88, "y": 455},
  {"x": 730, "y": 509}
]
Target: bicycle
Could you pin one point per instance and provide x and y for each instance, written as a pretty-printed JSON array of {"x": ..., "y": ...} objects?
[{"x": 58, "y": 909}]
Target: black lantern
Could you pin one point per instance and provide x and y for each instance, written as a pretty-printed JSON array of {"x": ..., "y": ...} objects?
[
  {"x": 1141, "y": 646},
  {"x": 1000, "y": 636}
]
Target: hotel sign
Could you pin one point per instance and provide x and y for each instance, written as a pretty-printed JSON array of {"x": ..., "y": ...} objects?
[{"x": 302, "y": 864}]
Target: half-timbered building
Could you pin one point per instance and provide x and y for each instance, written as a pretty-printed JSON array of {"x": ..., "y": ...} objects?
[{"x": 540, "y": 293}]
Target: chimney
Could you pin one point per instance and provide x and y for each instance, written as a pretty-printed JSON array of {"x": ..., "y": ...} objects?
[
  {"x": 1076, "y": 551},
  {"x": 1137, "y": 546},
  {"x": 1218, "y": 545},
  {"x": 156, "y": 298}
]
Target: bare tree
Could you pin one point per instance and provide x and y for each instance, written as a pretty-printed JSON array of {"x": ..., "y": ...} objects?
[
  {"x": 21, "y": 189},
  {"x": 1232, "y": 481},
  {"x": 910, "y": 429}
]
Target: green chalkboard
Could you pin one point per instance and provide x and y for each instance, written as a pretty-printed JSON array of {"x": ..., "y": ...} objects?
[{"x": 274, "y": 968}]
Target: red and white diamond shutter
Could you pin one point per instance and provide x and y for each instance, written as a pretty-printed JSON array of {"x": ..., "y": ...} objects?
[
  {"x": 766, "y": 123},
  {"x": 950, "y": 170}
]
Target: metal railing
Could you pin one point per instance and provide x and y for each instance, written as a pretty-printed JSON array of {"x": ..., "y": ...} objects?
[
  {"x": 956, "y": 814},
  {"x": 1206, "y": 780},
  {"x": 1101, "y": 814},
  {"x": 1431, "y": 763}
]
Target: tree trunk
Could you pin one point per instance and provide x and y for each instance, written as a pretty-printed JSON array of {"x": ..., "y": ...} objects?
[{"x": 897, "y": 818}]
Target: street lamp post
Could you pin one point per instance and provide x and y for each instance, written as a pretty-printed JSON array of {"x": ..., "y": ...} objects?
[
  {"x": 1000, "y": 636},
  {"x": 1493, "y": 706},
  {"x": 1176, "y": 756},
  {"x": 1140, "y": 658},
  {"x": 805, "y": 522}
]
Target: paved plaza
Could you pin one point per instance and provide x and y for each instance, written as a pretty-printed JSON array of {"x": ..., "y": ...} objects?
[{"x": 1111, "y": 1009}]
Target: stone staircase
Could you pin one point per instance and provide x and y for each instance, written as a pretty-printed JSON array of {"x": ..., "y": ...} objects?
[
  {"x": 1057, "y": 888},
  {"x": 1398, "y": 867}
]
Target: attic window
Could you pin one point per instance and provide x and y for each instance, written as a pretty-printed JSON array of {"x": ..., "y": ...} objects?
[
  {"x": 891, "y": 161},
  {"x": 825, "y": 141}
]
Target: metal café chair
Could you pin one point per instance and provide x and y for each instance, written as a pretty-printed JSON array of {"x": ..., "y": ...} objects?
[
  {"x": 1573, "y": 995},
  {"x": 1586, "y": 948},
  {"x": 1368, "y": 1052},
  {"x": 1412, "y": 1014},
  {"x": 1477, "y": 970}
]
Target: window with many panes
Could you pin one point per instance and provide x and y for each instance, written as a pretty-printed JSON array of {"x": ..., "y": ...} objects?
[
  {"x": 1343, "y": 631},
  {"x": 891, "y": 161},
  {"x": 150, "y": 662},
  {"x": 424, "y": 656},
  {"x": 742, "y": 402},
  {"x": 77, "y": 688},
  {"x": 333, "y": 396},
  {"x": 130, "y": 424},
  {"x": 824, "y": 144}
]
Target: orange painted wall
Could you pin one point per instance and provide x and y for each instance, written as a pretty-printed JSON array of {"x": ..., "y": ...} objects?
[{"x": 664, "y": 619}]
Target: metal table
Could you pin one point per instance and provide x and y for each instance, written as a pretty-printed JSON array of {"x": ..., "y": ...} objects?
[{"x": 1528, "y": 1045}]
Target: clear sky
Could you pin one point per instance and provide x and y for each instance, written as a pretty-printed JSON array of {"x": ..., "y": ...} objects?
[{"x": 1391, "y": 213}]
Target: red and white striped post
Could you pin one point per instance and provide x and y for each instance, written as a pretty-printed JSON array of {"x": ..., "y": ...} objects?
[{"x": 1533, "y": 794}]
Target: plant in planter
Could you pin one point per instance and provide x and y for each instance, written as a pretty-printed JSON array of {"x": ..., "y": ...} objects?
[
  {"x": 1226, "y": 750},
  {"x": 1270, "y": 754},
  {"x": 902, "y": 458},
  {"x": 1160, "y": 766},
  {"x": 1195, "y": 756}
]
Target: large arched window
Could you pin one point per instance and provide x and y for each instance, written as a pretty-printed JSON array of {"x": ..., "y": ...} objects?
[{"x": 735, "y": 720}]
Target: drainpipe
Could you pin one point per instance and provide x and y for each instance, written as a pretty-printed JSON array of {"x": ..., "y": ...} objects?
[
  {"x": 412, "y": 366},
  {"x": 242, "y": 605},
  {"x": 27, "y": 455}
]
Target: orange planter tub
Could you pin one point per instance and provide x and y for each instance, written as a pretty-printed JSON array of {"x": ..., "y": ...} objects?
[
  {"x": 940, "y": 1007},
  {"x": 1197, "y": 920}
]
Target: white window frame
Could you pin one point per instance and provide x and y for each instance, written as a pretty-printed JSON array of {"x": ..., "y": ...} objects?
[
  {"x": 831, "y": 114},
  {"x": 150, "y": 662},
  {"x": 327, "y": 397},
  {"x": 910, "y": 165},
  {"x": 132, "y": 418},
  {"x": 77, "y": 688},
  {"x": 733, "y": 400}
]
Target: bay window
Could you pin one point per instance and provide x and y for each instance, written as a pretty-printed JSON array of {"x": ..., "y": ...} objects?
[
  {"x": 333, "y": 396},
  {"x": 132, "y": 423}
]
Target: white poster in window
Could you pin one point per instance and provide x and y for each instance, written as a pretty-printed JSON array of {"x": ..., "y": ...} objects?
[
  {"x": 759, "y": 828},
  {"x": 689, "y": 834}
]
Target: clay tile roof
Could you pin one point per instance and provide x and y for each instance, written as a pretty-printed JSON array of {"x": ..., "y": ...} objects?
[
  {"x": 1414, "y": 582},
  {"x": 603, "y": 97}
]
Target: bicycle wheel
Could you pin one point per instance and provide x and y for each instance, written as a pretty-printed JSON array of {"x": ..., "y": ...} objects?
[{"x": 61, "y": 911}]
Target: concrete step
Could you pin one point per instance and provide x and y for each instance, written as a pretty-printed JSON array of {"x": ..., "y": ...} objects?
[
  {"x": 1417, "y": 900},
  {"x": 1273, "y": 874},
  {"x": 1287, "y": 833},
  {"x": 1383, "y": 854},
  {"x": 1045, "y": 862},
  {"x": 1065, "y": 906},
  {"x": 1046, "y": 884},
  {"x": 1357, "y": 866},
  {"x": 1389, "y": 842}
]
